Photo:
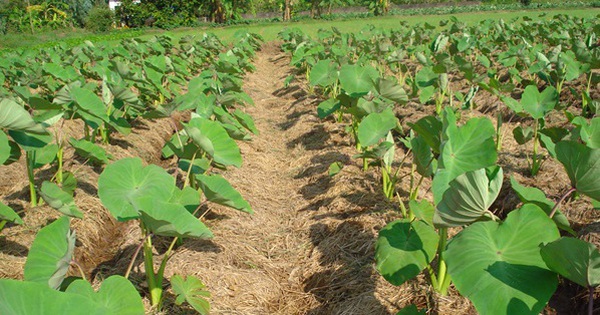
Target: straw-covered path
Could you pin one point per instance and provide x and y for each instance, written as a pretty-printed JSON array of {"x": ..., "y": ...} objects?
[{"x": 308, "y": 248}]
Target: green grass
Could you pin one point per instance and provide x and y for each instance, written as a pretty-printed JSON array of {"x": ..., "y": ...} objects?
[{"x": 269, "y": 30}]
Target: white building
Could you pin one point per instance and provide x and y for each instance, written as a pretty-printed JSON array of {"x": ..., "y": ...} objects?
[{"x": 112, "y": 4}]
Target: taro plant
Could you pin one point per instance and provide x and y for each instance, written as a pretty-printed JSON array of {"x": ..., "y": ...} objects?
[
  {"x": 131, "y": 191},
  {"x": 28, "y": 135},
  {"x": 465, "y": 184},
  {"x": 371, "y": 130},
  {"x": 45, "y": 281},
  {"x": 536, "y": 105},
  {"x": 576, "y": 260},
  {"x": 148, "y": 194}
]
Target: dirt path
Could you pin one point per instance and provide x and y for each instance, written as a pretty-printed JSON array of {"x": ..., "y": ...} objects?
[{"x": 308, "y": 247}]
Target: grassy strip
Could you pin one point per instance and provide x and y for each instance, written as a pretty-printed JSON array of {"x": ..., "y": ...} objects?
[
  {"x": 269, "y": 30},
  {"x": 311, "y": 27}
]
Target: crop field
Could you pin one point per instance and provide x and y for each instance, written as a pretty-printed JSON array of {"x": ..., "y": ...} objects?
[{"x": 445, "y": 165}]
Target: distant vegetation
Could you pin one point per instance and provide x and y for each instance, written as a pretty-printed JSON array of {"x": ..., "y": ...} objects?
[{"x": 32, "y": 16}]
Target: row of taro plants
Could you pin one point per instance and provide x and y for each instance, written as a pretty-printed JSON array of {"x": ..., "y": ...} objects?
[
  {"x": 108, "y": 88},
  {"x": 505, "y": 262}
]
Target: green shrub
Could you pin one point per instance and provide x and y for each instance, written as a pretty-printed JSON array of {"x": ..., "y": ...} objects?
[{"x": 100, "y": 19}]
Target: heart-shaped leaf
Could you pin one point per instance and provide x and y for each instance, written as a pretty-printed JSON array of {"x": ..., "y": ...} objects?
[
  {"x": 50, "y": 254},
  {"x": 124, "y": 181},
  {"x": 116, "y": 296},
  {"x": 404, "y": 249},
  {"x": 218, "y": 190},
  {"x": 574, "y": 259},
  {"x": 376, "y": 126},
  {"x": 468, "y": 148},
  {"x": 468, "y": 197},
  {"x": 323, "y": 73},
  {"x": 499, "y": 266},
  {"x": 539, "y": 104},
  {"x": 214, "y": 140},
  {"x": 357, "y": 80},
  {"x": 582, "y": 164},
  {"x": 59, "y": 200},
  {"x": 191, "y": 290}
]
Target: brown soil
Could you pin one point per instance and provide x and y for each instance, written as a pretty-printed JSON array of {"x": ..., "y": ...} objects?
[{"x": 309, "y": 247}]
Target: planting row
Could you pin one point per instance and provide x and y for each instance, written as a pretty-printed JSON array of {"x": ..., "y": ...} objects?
[
  {"x": 108, "y": 89},
  {"x": 543, "y": 74}
]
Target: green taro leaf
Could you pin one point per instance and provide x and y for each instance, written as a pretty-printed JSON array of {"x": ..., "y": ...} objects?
[
  {"x": 423, "y": 157},
  {"x": 538, "y": 198},
  {"x": 214, "y": 140},
  {"x": 197, "y": 166},
  {"x": 335, "y": 168},
  {"x": 391, "y": 90},
  {"x": 59, "y": 200},
  {"x": 375, "y": 126},
  {"x": 403, "y": 249},
  {"x": 468, "y": 148},
  {"x": 590, "y": 133},
  {"x": 14, "y": 117},
  {"x": 430, "y": 129},
  {"x": 15, "y": 153},
  {"x": 8, "y": 214},
  {"x": 357, "y": 80},
  {"x": 411, "y": 310},
  {"x": 499, "y": 267},
  {"x": 323, "y": 73},
  {"x": 539, "y": 104},
  {"x": 124, "y": 181},
  {"x": 582, "y": 165},
  {"x": 218, "y": 190},
  {"x": 170, "y": 219},
  {"x": 574, "y": 259},
  {"x": 69, "y": 183},
  {"x": 245, "y": 120},
  {"x": 50, "y": 254},
  {"x": 116, "y": 295},
  {"x": 90, "y": 104},
  {"x": 31, "y": 298},
  {"x": 65, "y": 74},
  {"x": 522, "y": 135},
  {"x": 29, "y": 141},
  {"x": 44, "y": 156},
  {"x": 328, "y": 107},
  {"x": 88, "y": 150},
  {"x": 422, "y": 210},
  {"x": 187, "y": 197},
  {"x": 469, "y": 197},
  {"x": 191, "y": 290},
  {"x": 5, "y": 147}
]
